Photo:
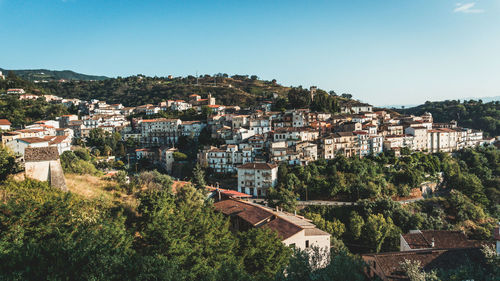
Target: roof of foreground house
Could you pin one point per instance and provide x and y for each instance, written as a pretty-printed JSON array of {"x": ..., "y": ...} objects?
[
  {"x": 388, "y": 265},
  {"x": 41, "y": 154},
  {"x": 285, "y": 224}
]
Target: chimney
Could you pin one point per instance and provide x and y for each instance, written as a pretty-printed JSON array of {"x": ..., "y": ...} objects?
[{"x": 432, "y": 242}]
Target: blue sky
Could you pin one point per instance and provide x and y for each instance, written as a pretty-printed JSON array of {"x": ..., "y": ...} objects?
[{"x": 382, "y": 52}]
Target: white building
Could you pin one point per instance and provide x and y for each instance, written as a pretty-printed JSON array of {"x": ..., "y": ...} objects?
[
  {"x": 256, "y": 178},
  {"x": 443, "y": 139},
  {"x": 5, "y": 124},
  {"x": 420, "y": 137},
  {"x": 159, "y": 132},
  {"x": 18, "y": 146},
  {"x": 294, "y": 231},
  {"x": 226, "y": 158}
]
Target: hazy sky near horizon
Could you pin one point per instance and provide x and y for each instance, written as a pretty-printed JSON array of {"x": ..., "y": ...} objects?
[{"x": 382, "y": 52}]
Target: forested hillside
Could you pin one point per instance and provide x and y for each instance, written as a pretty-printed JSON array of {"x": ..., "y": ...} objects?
[
  {"x": 139, "y": 90},
  {"x": 241, "y": 90},
  {"x": 469, "y": 113},
  {"x": 51, "y": 75}
]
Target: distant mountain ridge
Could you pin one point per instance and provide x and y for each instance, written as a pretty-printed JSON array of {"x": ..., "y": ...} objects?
[{"x": 52, "y": 75}]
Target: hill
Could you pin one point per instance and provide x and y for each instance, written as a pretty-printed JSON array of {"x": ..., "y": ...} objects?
[
  {"x": 138, "y": 90},
  {"x": 469, "y": 113},
  {"x": 52, "y": 75}
]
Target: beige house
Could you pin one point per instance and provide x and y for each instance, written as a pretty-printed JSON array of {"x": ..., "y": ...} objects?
[
  {"x": 256, "y": 178},
  {"x": 295, "y": 231}
]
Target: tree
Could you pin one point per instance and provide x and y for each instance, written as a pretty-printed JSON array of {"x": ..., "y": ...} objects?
[
  {"x": 186, "y": 231},
  {"x": 356, "y": 224},
  {"x": 413, "y": 270},
  {"x": 334, "y": 227},
  {"x": 60, "y": 236},
  {"x": 376, "y": 229},
  {"x": 120, "y": 151},
  {"x": 7, "y": 163},
  {"x": 179, "y": 156},
  {"x": 282, "y": 197},
  {"x": 198, "y": 177},
  {"x": 106, "y": 150},
  {"x": 262, "y": 252}
]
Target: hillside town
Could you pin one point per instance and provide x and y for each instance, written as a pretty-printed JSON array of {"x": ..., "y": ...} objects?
[
  {"x": 250, "y": 144},
  {"x": 252, "y": 141}
]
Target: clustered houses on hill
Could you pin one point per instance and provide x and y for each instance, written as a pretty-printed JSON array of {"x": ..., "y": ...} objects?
[{"x": 295, "y": 136}]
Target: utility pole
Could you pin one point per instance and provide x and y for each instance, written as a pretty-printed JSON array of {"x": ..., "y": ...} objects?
[{"x": 196, "y": 77}]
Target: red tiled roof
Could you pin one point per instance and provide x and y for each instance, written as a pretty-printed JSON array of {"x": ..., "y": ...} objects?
[
  {"x": 5, "y": 122},
  {"x": 284, "y": 228},
  {"x": 250, "y": 213},
  {"x": 33, "y": 140}
]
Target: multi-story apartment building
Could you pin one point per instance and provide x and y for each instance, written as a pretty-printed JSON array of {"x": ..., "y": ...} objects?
[
  {"x": 363, "y": 143},
  {"x": 345, "y": 143},
  {"x": 256, "y": 178},
  {"x": 191, "y": 128},
  {"x": 159, "y": 132},
  {"x": 443, "y": 139},
  {"x": 293, "y": 135},
  {"x": 226, "y": 158},
  {"x": 376, "y": 144},
  {"x": 260, "y": 125},
  {"x": 420, "y": 137}
]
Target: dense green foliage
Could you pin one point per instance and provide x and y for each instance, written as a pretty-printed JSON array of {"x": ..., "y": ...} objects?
[
  {"x": 470, "y": 114},
  {"x": 78, "y": 161},
  {"x": 25, "y": 112},
  {"x": 354, "y": 178},
  {"x": 7, "y": 163},
  {"x": 106, "y": 143},
  {"x": 139, "y": 90},
  {"x": 62, "y": 236},
  {"x": 342, "y": 266},
  {"x": 299, "y": 97},
  {"x": 467, "y": 201}
]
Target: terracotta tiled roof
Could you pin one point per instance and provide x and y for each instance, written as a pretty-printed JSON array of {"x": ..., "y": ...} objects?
[
  {"x": 33, "y": 140},
  {"x": 284, "y": 228},
  {"x": 57, "y": 139},
  {"x": 5, "y": 122},
  {"x": 248, "y": 212}
]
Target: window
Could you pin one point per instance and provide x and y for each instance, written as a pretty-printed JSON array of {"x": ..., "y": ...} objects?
[
  {"x": 307, "y": 243},
  {"x": 292, "y": 245}
]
